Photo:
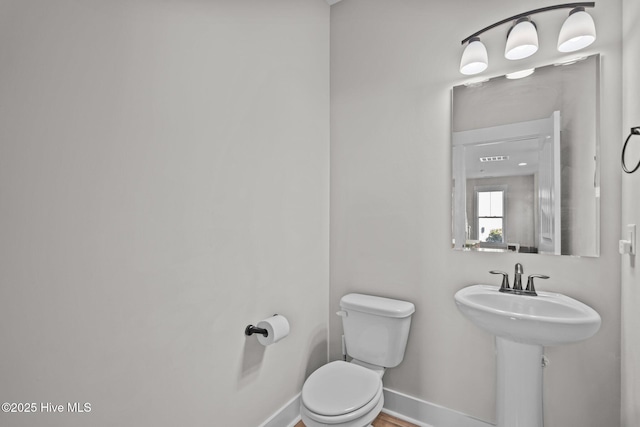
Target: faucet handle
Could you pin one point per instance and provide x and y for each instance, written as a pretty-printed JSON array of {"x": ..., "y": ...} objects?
[
  {"x": 504, "y": 287},
  {"x": 531, "y": 290}
]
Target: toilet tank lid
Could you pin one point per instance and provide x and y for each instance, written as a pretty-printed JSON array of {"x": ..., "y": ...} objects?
[{"x": 377, "y": 305}]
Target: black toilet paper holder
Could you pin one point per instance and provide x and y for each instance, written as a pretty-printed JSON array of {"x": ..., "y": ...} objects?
[{"x": 250, "y": 330}]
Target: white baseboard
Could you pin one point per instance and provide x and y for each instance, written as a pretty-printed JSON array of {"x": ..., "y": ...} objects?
[
  {"x": 399, "y": 405},
  {"x": 287, "y": 416},
  {"x": 426, "y": 414}
]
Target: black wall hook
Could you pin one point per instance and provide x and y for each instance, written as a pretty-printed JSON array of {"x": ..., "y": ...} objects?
[
  {"x": 634, "y": 131},
  {"x": 250, "y": 330}
]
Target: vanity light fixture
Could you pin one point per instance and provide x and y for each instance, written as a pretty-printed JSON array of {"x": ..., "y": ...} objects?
[
  {"x": 577, "y": 32},
  {"x": 474, "y": 58},
  {"x": 522, "y": 41}
]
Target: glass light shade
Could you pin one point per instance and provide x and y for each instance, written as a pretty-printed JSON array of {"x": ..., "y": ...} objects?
[
  {"x": 474, "y": 58},
  {"x": 577, "y": 32},
  {"x": 522, "y": 40}
]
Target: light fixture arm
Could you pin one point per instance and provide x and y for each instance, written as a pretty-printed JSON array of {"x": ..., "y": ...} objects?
[{"x": 529, "y": 13}]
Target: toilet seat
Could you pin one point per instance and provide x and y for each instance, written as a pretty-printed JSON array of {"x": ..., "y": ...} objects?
[{"x": 340, "y": 392}]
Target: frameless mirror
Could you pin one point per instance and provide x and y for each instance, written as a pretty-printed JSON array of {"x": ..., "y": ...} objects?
[{"x": 525, "y": 162}]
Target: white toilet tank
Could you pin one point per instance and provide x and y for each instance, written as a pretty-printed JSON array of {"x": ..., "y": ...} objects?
[{"x": 375, "y": 328}]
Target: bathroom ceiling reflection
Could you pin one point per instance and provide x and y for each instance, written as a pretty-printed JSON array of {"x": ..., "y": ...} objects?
[{"x": 525, "y": 162}]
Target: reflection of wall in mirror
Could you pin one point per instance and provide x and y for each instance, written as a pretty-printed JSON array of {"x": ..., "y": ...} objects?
[{"x": 579, "y": 202}]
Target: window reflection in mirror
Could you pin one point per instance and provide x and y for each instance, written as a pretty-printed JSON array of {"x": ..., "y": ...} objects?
[{"x": 490, "y": 215}]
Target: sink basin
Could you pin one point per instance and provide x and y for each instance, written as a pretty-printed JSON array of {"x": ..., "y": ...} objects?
[{"x": 546, "y": 319}]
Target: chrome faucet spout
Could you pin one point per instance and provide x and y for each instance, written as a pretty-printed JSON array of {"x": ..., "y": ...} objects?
[{"x": 517, "y": 285}]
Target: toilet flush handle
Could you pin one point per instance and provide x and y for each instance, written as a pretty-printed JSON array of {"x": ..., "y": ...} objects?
[{"x": 342, "y": 313}]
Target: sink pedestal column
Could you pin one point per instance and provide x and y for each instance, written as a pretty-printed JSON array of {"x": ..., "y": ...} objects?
[{"x": 519, "y": 384}]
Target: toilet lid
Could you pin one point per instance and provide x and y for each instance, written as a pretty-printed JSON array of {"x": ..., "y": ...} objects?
[{"x": 339, "y": 388}]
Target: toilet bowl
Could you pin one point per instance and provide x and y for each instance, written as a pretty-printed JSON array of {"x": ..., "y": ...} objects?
[{"x": 341, "y": 394}]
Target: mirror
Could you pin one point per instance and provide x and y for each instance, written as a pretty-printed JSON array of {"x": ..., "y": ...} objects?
[{"x": 525, "y": 162}]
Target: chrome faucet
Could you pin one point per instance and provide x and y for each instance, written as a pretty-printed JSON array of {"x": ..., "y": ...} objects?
[{"x": 517, "y": 282}]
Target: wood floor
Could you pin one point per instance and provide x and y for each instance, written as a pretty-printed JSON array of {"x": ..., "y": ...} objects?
[{"x": 383, "y": 420}]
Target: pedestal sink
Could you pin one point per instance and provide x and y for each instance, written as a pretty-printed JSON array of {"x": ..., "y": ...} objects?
[{"x": 522, "y": 325}]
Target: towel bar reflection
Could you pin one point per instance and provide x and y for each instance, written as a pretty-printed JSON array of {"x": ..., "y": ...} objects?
[{"x": 634, "y": 131}]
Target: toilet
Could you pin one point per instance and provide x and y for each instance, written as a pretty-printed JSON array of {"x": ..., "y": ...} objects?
[{"x": 349, "y": 394}]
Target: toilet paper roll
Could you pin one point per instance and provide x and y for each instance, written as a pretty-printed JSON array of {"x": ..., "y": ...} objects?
[{"x": 277, "y": 328}]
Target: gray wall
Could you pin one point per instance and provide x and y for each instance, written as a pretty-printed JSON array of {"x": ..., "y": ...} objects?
[
  {"x": 631, "y": 215},
  {"x": 393, "y": 64},
  {"x": 164, "y": 181}
]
